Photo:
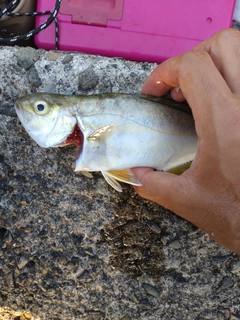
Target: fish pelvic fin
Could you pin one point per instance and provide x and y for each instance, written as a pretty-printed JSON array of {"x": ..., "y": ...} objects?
[
  {"x": 102, "y": 133},
  {"x": 87, "y": 174},
  {"x": 180, "y": 169},
  {"x": 113, "y": 182},
  {"x": 113, "y": 176}
]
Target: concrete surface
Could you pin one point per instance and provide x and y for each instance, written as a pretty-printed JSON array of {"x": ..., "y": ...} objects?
[{"x": 73, "y": 248}]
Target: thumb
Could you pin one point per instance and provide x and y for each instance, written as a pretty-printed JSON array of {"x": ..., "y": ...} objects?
[{"x": 169, "y": 190}]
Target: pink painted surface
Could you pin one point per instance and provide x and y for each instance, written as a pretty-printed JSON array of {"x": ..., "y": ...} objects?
[
  {"x": 141, "y": 30},
  {"x": 96, "y": 12}
]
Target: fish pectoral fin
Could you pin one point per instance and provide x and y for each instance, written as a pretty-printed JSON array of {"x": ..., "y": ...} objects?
[
  {"x": 125, "y": 175},
  {"x": 102, "y": 133}
]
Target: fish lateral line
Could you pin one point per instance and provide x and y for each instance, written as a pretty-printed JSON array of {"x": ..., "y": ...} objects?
[{"x": 135, "y": 122}]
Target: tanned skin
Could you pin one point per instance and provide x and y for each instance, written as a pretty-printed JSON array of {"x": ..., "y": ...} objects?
[{"x": 208, "y": 193}]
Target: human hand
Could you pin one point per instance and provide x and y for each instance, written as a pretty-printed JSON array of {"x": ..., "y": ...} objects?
[{"x": 208, "y": 193}]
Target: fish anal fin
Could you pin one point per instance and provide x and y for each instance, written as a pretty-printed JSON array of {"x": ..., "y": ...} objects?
[
  {"x": 180, "y": 169},
  {"x": 103, "y": 133}
]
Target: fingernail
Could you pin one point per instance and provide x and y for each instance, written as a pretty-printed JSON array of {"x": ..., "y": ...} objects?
[{"x": 177, "y": 89}]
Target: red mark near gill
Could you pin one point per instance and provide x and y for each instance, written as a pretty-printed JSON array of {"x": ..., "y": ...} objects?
[{"x": 76, "y": 137}]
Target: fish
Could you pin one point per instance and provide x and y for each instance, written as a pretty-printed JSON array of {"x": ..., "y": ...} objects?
[{"x": 113, "y": 132}]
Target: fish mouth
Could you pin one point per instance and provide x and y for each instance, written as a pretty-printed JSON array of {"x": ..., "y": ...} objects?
[
  {"x": 76, "y": 138},
  {"x": 19, "y": 104}
]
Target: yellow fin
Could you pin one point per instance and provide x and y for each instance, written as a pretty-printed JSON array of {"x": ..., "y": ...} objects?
[
  {"x": 180, "y": 169},
  {"x": 125, "y": 175},
  {"x": 113, "y": 182}
]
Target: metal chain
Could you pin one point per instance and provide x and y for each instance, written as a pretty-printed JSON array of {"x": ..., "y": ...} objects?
[{"x": 14, "y": 38}]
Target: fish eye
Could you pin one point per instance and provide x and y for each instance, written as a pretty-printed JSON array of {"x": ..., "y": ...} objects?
[{"x": 41, "y": 107}]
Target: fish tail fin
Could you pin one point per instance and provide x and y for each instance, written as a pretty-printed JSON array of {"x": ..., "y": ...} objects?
[{"x": 113, "y": 176}]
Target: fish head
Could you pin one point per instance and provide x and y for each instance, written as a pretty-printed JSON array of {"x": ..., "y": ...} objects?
[{"x": 46, "y": 118}]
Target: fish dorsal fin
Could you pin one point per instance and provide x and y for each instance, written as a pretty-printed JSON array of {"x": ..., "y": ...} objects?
[
  {"x": 181, "y": 106},
  {"x": 180, "y": 169},
  {"x": 125, "y": 175},
  {"x": 102, "y": 133}
]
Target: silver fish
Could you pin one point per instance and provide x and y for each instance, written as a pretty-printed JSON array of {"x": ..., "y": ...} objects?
[{"x": 114, "y": 132}]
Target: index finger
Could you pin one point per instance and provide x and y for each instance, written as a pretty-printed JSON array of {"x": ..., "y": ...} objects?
[{"x": 197, "y": 76}]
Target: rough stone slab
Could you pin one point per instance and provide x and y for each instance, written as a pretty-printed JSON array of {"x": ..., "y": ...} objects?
[{"x": 73, "y": 248}]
